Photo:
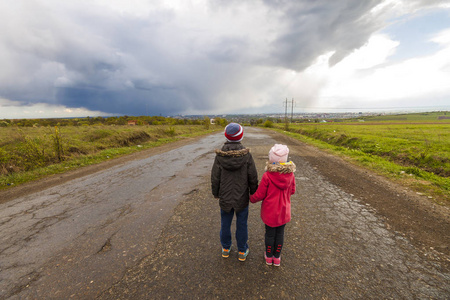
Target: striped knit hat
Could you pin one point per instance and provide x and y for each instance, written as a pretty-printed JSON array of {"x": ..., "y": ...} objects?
[{"x": 234, "y": 132}]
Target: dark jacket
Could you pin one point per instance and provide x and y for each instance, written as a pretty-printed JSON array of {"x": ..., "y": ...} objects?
[{"x": 233, "y": 176}]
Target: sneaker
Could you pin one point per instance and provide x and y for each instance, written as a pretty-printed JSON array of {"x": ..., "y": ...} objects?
[
  {"x": 225, "y": 252},
  {"x": 276, "y": 261},
  {"x": 269, "y": 260},
  {"x": 243, "y": 255}
]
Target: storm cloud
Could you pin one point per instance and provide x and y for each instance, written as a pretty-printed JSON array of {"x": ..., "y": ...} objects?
[{"x": 149, "y": 57}]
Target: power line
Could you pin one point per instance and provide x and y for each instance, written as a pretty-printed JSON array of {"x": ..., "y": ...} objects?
[{"x": 285, "y": 103}]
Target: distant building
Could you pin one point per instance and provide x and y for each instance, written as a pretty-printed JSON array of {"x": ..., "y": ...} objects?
[
  {"x": 443, "y": 118},
  {"x": 132, "y": 122}
]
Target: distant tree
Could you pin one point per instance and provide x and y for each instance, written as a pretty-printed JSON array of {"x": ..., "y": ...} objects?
[
  {"x": 206, "y": 122},
  {"x": 221, "y": 121},
  {"x": 122, "y": 121}
]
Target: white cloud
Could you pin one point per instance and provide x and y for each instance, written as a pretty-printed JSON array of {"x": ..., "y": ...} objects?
[
  {"x": 367, "y": 75},
  {"x": 442, "y": 38},
  {"x": 16, "y": 110}
]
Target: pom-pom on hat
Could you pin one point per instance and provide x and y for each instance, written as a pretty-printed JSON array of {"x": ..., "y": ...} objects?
[
  {"x": 278, "y": 153},
  {"x": 234, "y": 132}
]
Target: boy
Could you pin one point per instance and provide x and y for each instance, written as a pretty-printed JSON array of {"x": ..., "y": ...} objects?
[{"x": 233, "y": 179}]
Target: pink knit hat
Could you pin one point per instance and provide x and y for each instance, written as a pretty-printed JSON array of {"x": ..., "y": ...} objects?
[{"x": 278, "y": 153}]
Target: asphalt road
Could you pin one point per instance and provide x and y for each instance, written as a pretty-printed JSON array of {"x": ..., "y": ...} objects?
[{"x": 149, "y": 229}]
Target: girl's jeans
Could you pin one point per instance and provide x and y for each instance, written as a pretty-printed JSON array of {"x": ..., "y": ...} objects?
[
  {"x": 274, "y": 240},
  {"x": 241, "y": 229}
]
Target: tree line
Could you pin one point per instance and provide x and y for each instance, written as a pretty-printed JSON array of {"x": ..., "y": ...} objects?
[{"x": 122, "y": 120}]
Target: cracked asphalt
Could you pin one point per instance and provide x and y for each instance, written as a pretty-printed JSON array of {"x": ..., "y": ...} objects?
[{"x": 148, "y": 228}]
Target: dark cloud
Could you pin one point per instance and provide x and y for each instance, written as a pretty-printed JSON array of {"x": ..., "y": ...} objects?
[
  {"x": 135, "y": 102},
  {"x": 322, "y": 26},
  {"x": 170, "y": 60}
]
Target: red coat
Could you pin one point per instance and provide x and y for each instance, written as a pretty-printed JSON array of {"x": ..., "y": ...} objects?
[{"x": 275, "y": 190}]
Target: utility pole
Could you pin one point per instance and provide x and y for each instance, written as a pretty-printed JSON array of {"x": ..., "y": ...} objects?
[
  {"x": 285, "y": 110},
  {"x": 286, "y": 126},
  {"x": 285, "y": 103},
  {"x": 292, "y": 110}
]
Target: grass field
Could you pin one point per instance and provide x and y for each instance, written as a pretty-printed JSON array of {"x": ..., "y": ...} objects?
[
  {"x": 28, "y": 153},
  {"x": 429, "y": 117},
  {"x": 417, "y": 152},
  {"x": 423, "y": 146}
]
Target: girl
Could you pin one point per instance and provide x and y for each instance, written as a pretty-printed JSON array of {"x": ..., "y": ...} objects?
[{"x": 275, "y": 190}]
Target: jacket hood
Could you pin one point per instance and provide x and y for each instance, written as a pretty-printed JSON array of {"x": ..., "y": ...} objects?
[
  {"x": 284, "y": 168},
  {"x": 281, "y": 174},
  {"x": 232, "y": 159}
]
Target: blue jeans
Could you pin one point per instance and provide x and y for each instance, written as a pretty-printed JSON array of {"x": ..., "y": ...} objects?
[{"x": 241, "y": 229}]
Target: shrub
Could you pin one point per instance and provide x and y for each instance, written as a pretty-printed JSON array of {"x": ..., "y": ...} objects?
[
  {"x": 98, "y": 134},
  {"x": 28, "y": 155},
  {"x": 125, "y": 139},
  {"x": 171, "y": 131},
  {"x": 268, "y": 124}
]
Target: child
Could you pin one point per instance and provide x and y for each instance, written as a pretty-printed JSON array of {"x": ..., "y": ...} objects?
[
  {"x": 275, "y": 190},
  {"x": 233, "y": 179}
]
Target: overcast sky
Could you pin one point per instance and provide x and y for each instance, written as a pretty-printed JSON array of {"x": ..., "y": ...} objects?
[{"x": 148, "y": 57}]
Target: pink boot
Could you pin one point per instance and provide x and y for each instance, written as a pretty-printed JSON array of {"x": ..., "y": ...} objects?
[
  {"x": 268, "y": 259},
  {"x": 276, "y": 261}
]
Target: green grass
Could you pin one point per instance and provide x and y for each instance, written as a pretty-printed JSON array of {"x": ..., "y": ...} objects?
[
  {"x": 415, "y": 117},
  {"x": 417, "y": 154},
  {"x": 28, "y": 154}
]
